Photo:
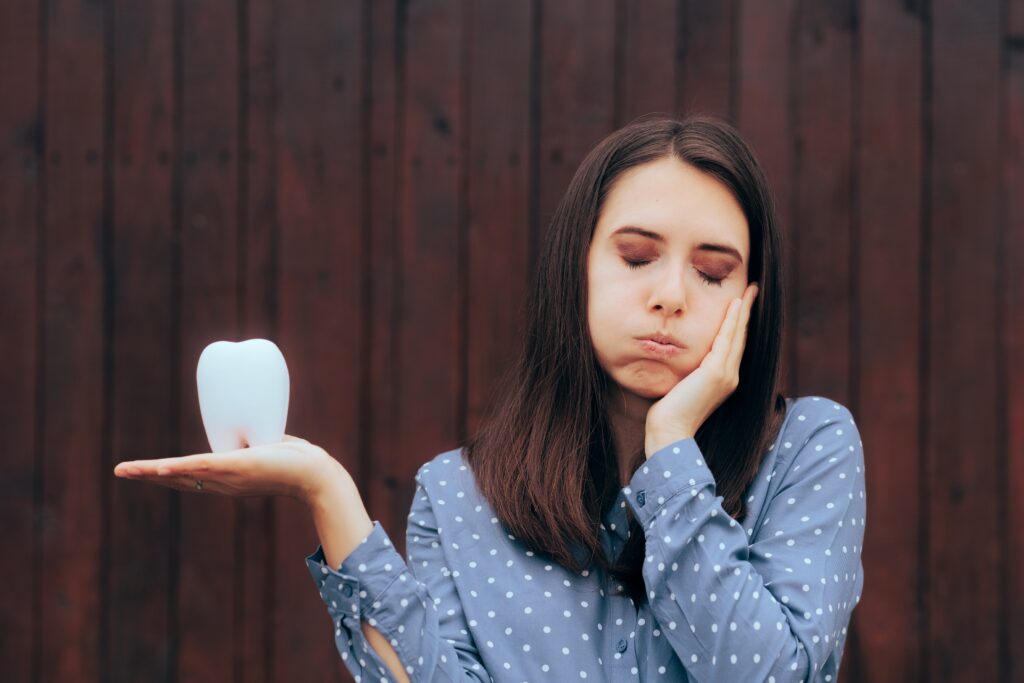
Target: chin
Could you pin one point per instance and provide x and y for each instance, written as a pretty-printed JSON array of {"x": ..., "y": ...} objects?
[
  {"x": 648, "y": 392},
  {"x": 650, "y": 385}
]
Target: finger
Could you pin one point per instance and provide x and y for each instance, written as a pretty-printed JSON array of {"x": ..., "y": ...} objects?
[
  {"x": 203, "y": 462},
  {"x": 720, "y": 347},
  {"x": 148, "y": 467},
  {"x": 142, "y": 469},
  {"x": 740, "y": 334},
  {"x": 173, "y": 466},
  {"x": 186, "y": 483},
  {"x": 195, "y": 460}
]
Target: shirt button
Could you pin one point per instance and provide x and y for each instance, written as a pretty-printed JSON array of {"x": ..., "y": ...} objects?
[
  {"x": 347, "y": 590},
  {"x": 621, "y": 646},
  {"x": 641, "y": 498}
]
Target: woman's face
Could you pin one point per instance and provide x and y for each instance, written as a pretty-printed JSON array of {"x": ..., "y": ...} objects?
[{"x": 665, "y": 227}]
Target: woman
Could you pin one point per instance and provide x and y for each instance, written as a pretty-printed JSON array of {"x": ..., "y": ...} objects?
[{"x": 643, "y": 504}]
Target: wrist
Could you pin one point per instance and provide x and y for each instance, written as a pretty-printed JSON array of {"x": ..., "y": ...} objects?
[
  {"x": 327, "y": 478},
  {"x": 324, "y": 476},
  {"x": 655, "y": 440},
  {"x": 339, "y": 516}
]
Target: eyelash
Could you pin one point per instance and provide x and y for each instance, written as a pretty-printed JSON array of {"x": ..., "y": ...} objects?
[{"x": 634, "y": 265}]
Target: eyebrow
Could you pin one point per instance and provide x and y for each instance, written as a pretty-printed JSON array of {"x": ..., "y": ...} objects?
[{"x": 703, "y": 246}]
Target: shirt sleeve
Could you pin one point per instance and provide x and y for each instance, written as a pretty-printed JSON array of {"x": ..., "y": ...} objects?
[
  {"x": 417, "y": 611},
  {"x": 771, "y": 608}
]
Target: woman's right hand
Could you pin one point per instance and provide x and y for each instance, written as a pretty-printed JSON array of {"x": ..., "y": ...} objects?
[
  {"x": 680, "y": 413},
  {"x": 294, "y": 468}
]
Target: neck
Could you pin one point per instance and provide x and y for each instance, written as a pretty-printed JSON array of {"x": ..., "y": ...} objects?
[{"x": 627, "y": 415}]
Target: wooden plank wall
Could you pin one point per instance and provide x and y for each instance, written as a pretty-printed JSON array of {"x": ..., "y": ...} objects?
[{"x": 366, "y": 183}]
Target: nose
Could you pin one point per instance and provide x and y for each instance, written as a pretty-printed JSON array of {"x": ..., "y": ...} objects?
[{"x": 669, "y": 296}]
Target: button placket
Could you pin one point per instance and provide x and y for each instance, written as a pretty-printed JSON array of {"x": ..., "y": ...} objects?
[{"x": 622, "y": 615}]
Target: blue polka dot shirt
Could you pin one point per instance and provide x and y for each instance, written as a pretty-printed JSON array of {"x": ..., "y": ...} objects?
[{"x": 766, "y": 600}]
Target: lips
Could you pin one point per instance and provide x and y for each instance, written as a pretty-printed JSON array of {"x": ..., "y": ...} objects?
[
  {"x": 662, "y": 338},
  {"x": 243, "y": 393},
  {"x": 661, "y": 346}
]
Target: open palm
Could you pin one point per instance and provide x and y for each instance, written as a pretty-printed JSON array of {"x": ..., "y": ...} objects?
[{"x": 291, "y": 468}]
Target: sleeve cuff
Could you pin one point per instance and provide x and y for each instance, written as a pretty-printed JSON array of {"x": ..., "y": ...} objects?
[
  {"x": 363, "y": 576},
  {"x": 676, "y": 467}
]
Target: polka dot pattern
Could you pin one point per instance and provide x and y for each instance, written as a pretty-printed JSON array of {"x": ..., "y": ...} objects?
[{"x": 766, "y": 599}]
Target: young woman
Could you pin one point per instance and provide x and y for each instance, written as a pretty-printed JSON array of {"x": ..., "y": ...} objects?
[{"x": 643, "y": 504}]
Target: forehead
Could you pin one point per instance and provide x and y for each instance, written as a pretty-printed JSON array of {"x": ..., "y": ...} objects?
[{"x": 676, "y": 200}]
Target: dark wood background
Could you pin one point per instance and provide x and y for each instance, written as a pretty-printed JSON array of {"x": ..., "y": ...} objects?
[{"x": 366, "y": 183}]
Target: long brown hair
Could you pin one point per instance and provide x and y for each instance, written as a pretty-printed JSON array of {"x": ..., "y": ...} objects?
[{"x": 545, "y": 457}]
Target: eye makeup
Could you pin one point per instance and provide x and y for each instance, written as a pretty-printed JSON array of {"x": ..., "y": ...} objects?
[
  {"x": 710, "y": 247},
  {"x": 712, "y": 270},
  {"x": 635, "y": 265}
]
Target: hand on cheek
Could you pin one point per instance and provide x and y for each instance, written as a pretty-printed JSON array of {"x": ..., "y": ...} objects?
[{"x": 689, "y": 403}]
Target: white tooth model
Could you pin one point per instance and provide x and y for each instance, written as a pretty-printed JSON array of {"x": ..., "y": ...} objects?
[{"x": 243, "y": 393}]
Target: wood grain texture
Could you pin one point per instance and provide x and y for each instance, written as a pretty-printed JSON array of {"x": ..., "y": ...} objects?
[
  {"x": 319, "y": 152},
  {"x": 705, "y": 55},
  {"x": 1011, "y": 292},
  {"x": 577, "y": 59},
  {"x": 887, "y": 223},
  {"x": 21, "y": 260},
  {"x": 72, "y": 351},
  {"x": 496, "y": 196},
  {"x": 209, "y": 275},
  {"x": 646, "y": 50},
  {"x": 962, "y": 445},
  {"x": 254, "y": 647},
  {"x": 381, "y": 482},
  {"x": 823, "y": 176},
  {"x": 141, "y": 617},
  {"x": 428, "y": 328},
  {"x": 765, "y": 113}
]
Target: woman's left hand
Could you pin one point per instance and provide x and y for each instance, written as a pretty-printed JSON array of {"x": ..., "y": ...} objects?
[
  {"x": 294, "y": 468},
  {"x": 679, "y": 413}
]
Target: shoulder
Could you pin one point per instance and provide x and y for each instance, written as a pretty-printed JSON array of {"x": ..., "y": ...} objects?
[
  {"x": 816, "y": 428},
  {"x": 448, "y": 499},
  {"x": 807, "y": 414},
  {"x": 447, "y": 477},
  {"x": 442, "y": 464}
]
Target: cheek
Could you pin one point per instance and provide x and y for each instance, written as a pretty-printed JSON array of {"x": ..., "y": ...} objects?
[
  {"x": 614, "y": 290},
  {"x": 600, "y": 322},
  {"x": 604, "y": 293},
  {"x": 610, "y": 304}
]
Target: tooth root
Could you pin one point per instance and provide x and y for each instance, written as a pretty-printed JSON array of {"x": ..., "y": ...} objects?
[
  {"x": 223, "y": 439},
  {"x": 268, "y": 431}
]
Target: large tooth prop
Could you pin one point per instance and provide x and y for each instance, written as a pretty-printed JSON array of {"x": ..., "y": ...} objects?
[{"x": 243, "y": 393}]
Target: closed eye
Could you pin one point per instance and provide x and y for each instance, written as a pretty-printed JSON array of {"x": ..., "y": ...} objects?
[{"x": 634, "y": 265}]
